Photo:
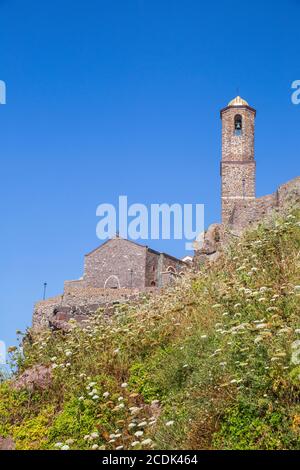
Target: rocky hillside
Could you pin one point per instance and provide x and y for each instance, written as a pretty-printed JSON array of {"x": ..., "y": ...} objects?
[{"x": 211, "y": 363}]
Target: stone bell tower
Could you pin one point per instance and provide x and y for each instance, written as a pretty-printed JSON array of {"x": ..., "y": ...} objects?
[{"x": 238, "y": 164}]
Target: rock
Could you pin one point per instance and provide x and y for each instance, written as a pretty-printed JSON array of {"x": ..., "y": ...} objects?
[
  {"x": 7, "y": 443},
  {"x": 211, "y": 246},
  {"x": 37, "y": 377},
  {"x": 212, "y": 239},
  {"x": 61, "y": 321}
]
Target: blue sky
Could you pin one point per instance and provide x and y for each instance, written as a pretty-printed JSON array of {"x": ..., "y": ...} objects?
[{"x": 122, "y": 97}]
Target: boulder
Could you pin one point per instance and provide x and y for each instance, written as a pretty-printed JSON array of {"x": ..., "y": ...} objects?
[{"x": 36, "y": 378}]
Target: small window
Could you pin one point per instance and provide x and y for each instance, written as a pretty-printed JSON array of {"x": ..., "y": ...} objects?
[{"x": 238, "y": 124}]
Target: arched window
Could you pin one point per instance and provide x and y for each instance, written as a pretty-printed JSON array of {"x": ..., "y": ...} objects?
[
  {"x": 238, "y": 124},
  {"x": 112, "y": 282},
  {"x": 171, "y": 269}
]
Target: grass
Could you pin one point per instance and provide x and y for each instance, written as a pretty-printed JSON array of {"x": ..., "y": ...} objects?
[{"x": 211, "y": 363}]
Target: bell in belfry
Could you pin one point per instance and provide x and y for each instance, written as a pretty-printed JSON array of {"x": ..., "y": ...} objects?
[{"x": 238, "y": 122}]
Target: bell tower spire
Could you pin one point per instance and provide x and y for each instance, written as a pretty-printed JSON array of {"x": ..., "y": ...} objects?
[{"x": 238, "y": 163}]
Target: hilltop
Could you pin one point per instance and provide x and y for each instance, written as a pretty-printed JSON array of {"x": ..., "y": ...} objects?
[{"x": 213, "y": 362}]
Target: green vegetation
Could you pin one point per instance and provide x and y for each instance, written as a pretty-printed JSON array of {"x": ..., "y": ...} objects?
[{"x": 211, "y": 363}]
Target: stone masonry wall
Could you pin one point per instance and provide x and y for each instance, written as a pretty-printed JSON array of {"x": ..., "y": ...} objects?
[
  {"x": 249, "y": 213},
  {"x": 78, "y": 301},
  {"x": 152, "y": 268},
  {"x": 170, "y": 262},
  {"x": 238, "y": 148},
  {"x": 115, "y": 259},
  {"x": 237, "y": 165}
]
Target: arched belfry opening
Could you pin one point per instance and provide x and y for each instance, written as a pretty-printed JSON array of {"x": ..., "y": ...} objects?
[{"x": 238, "y": 124}]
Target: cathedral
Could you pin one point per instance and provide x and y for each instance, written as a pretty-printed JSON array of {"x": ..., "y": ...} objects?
[{"x": 120, "y": 268}]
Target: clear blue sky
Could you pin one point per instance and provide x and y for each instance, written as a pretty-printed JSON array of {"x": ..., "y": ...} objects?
[{"x": 123, "y": 97}]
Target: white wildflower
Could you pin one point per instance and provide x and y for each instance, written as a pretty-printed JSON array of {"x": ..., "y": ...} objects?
[
  {"x": 59, "y": 444},
  {"x": 261, "y": 326},
  {"x": 146, "y": 442}
]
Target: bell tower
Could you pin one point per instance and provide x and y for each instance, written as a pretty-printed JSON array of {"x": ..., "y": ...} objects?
[{"x": 238, "y": 164}]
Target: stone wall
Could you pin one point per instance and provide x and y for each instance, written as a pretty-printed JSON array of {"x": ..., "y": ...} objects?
[
  {"x": 116, "y": 263},
  {"x": 43, "y": 311},
  {"x": 78, "y": 283},
  {"x": 78, "y": 301},
  {"x": 237, "y": 165},
  {"x": 152, "y": 269},
  {"x": 162, "y": 268},
  {"x": 238, "y": 148},
  {"x": 249, "y": 213}
]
